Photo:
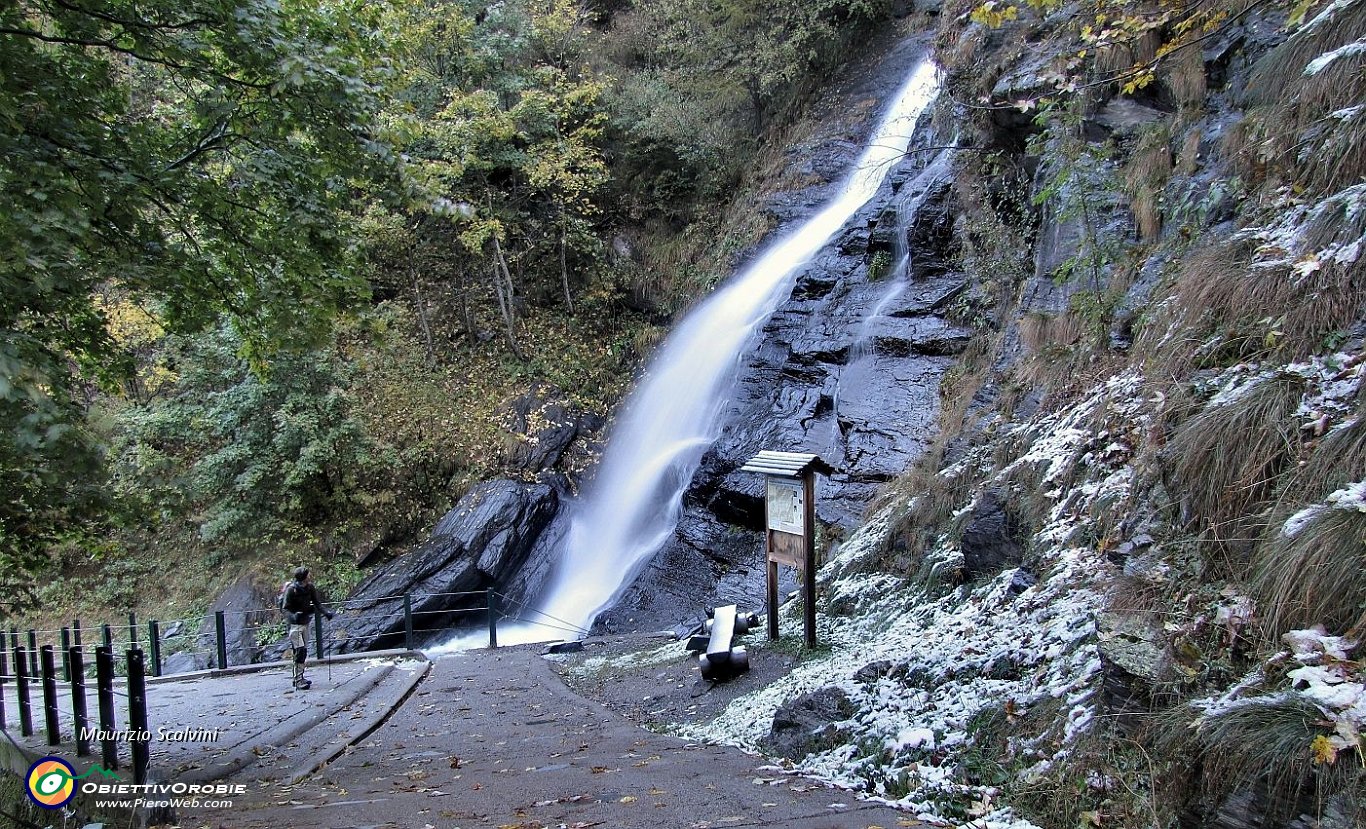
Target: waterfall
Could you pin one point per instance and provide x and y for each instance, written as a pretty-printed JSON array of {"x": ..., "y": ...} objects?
[{"x": 671, "y": 418}]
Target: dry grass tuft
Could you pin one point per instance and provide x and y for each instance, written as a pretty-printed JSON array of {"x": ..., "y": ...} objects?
[
  {"x": 1188, "y": 160},
  {"x": 1043, "y": 334},
  {"x": 1145, "y": 175},
  {"x": 1317, "y": 576},
  {"x": 1259, "y": 750},
  {"x": 1225, "y": 308},
  {"x": 1306, "y": 112},
  {"x": 1339, "y": 460},
  {"x": 1227, "y": 458},
  {"x": 1121, "y": 57},
  {"x": 1184, "y": 74}
]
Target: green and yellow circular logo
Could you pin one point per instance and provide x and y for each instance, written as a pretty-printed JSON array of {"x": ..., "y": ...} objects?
[{"x": 51, "y": 782}]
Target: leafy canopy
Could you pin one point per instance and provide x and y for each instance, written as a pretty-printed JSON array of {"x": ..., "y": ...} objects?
[{"x": 196, "y": 157}]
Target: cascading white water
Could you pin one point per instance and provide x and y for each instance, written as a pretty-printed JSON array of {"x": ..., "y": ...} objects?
[
  {"x": 671, "y": 418},
  {"x": 913, "y": 195}
]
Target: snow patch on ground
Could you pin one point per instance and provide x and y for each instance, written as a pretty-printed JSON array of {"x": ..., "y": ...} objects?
[{"x": 993, "y": 647}]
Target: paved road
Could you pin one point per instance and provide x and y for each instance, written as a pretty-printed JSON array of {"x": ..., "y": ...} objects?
[
  {"x": 494, "y": 739},
  {"x": 221, "y": 724},
  {"x": 487, "y": 738}
]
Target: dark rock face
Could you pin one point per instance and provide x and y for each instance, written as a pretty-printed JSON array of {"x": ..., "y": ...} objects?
[
  {"x": 807, "y": 724},
  {"x": 544, "y": 427},
  {"x": 246, "y": 607},
  {"x": 991, "y": 540},
  {"x": 849, "y": 368},
  {"x": 479, "y": 544}
]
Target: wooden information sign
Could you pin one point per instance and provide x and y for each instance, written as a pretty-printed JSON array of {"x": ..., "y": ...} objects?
[{"x": 790, "y": 507}]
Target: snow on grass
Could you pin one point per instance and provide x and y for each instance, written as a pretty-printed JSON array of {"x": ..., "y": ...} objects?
[
  {"x": 1318, "y": 64},
  {"x": 1351, "y": 497},
  {"x": 1285, "y": 242},
  {"x": 1324, "y": 675},
  {"x": 994, "y": 647},
  {"x": 593, "y": 665}
]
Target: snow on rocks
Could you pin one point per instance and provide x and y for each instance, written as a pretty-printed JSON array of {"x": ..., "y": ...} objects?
[{"x": 982, "y": 651}]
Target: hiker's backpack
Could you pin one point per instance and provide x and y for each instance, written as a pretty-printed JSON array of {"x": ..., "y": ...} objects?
[{"x": 282, "y": 600}]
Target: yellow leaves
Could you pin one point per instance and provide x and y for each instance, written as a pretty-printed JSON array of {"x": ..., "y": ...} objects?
[
  {"x": 1322, "y": 750},
  {"x": 993, "y": 14},
  {"x": 1138, "y": 80}
]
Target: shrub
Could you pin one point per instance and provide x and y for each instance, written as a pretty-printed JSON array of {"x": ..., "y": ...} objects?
[
  {"x": 1313, "y": 573},
  {"x": 1227, "y": 458}
]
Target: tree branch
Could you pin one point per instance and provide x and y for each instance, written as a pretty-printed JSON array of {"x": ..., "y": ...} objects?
[
  {"x": 193, "y": 23},
  {"x": 111, "y": 46}
]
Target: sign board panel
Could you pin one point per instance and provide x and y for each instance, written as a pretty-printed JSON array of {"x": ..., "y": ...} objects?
[
  {"x": 787, "y": 549},
  {"x": 786, "y": 506}
]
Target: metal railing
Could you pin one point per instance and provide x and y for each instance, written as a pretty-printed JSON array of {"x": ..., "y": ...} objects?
[
  {"x": 29, "y": 661},
  {"x": 260, "y": 634},
  {"x": 22, "y": 659}
]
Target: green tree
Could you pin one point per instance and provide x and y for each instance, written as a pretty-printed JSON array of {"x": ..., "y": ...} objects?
[
  {"x": 249, "y": 454},
  {"x": 510, "y": 141},
  {"x": 196, "y": 155}
]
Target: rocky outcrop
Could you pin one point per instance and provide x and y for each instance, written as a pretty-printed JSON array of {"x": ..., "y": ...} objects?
[
  {"x": 992, "y": 540},
  {"x": 544, "y": 429},
  {"x": 808, "y": 724},
  {"x": 480, "y": 543},
  {"x": 849, "y": 367}
]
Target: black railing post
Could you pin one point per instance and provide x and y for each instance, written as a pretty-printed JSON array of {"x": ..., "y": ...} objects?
[
  {"x": 408, "y": 621},
  {"x": 80, "y": 718},
  {"x": 21, "y": 691},
  {"x": 107, "y": 633},
  {"x": 4, "y": 678},
  {"x": 220, "y": 632},
  {"x": 154, "y": 645},
  {"x": 104, "y": 679},
  {"x": 137, "y": 713},
  {"x": 66, "y": 658},
  {"x": 493, "y": 618},
  {"x": 75, "y": 633},
  {"x": 32, "y": 652},
  {"x": 51, "y": 719},
  {"x": 133, "y": 631}
]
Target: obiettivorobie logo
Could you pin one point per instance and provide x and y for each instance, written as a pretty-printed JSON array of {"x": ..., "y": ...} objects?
[{"x": 52, "y": 781}]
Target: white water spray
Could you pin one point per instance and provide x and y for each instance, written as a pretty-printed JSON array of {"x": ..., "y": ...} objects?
[{"x": 672, "y": 417}]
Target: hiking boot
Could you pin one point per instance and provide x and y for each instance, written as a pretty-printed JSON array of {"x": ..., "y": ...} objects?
[{"x": 302, "y": 684}]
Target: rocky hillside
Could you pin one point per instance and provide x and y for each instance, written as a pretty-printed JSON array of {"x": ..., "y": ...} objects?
[
  {"x": 1109, "y": 419},
  {"x": 1123, "y": 585}
]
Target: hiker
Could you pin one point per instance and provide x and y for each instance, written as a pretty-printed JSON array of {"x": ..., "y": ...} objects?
[{"x": 299, "y": 600}]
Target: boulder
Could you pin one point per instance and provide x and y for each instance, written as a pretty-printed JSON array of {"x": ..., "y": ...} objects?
[
  {"x": 991, "y": 539},
  {"x": 479, "y": 544},
  {"x": 807, "y": 724},
  {"x": 1135, "y": 664},
  {"x": 247, "y": 606}
]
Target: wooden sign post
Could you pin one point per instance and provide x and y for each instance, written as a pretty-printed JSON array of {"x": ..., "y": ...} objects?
[{"x": 790, "y": 533}]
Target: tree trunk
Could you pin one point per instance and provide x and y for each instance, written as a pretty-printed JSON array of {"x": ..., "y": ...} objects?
[
  {"x": 502, "y": 286},
  {"x": 422, "y": 311},
  {"x": 564, "y": 269}
]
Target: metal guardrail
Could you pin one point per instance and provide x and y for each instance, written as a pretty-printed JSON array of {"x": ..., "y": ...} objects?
[
  {"x": 159, "y": 639},
  {"x": 137, "y": 734},
  {"x": 31, "y": 659}
]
